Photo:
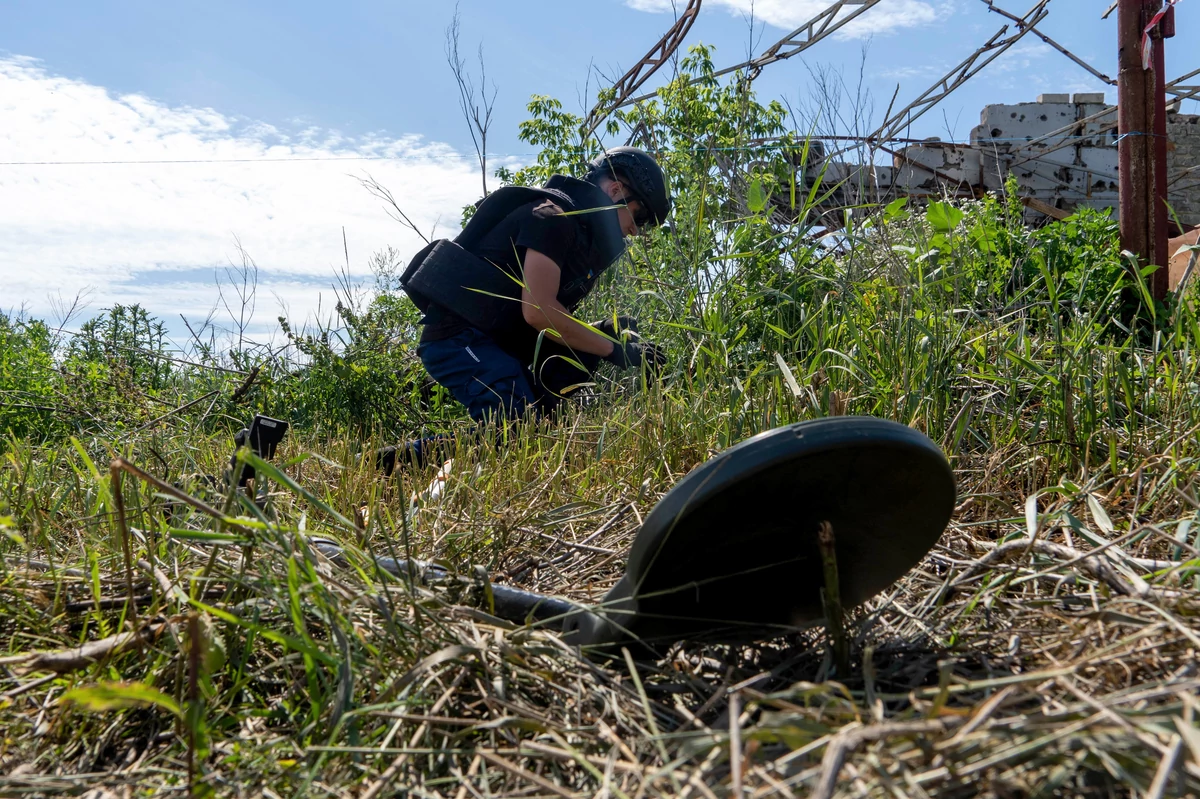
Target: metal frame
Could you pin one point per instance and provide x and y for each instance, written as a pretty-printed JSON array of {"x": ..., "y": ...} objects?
[
  {"x": 632, "y": 80},
  {"x": 1079, "y": 61},
  {"x": 805, "y": 36},
  {"x": 799, "y": 40},
  {"x": 956, "y": 77}
]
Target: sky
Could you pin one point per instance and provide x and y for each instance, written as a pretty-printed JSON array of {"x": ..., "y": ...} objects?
[{"x": 253, "y": 125}]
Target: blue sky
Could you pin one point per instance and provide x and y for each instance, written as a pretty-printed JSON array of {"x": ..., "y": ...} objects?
[{"x": 143, "y": 80}]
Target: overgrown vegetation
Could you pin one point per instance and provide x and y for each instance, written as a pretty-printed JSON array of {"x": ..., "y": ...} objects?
[{"x": 1047, "y": 645}]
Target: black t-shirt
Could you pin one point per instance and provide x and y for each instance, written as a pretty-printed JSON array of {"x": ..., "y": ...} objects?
[{"x": 539, "y": 226}]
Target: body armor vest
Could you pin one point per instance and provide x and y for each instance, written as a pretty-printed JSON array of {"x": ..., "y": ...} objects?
[{"x": 486, "y": 295}]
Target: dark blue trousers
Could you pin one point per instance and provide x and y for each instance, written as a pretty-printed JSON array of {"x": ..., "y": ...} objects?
[
  {"x": 494, "y": 385},
  {"x": 480, "y": 375}
]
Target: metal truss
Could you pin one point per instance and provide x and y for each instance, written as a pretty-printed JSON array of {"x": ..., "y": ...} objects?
[
  {"x": 804, "y": 37},
  {"x": 632, "y": 80},
  {"x": 1180, "y": 91},
  {"x": 822, "y": 25},
  {"x": 1095, "y": 72},
  {"x": 956, "y": 77}
]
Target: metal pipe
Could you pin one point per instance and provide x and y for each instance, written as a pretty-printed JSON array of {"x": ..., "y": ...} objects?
[
  {"x": 1133, "y": 123},
  {"x": 1164, "y": 31},
  {"x": 511, "y": 604}
]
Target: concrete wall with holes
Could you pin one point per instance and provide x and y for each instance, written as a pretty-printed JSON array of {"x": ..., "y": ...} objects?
[
  {"x": 1074, "y": 167},
  {"x": 1183, "y": 166},
  {"x": 1084, "y": 171}
]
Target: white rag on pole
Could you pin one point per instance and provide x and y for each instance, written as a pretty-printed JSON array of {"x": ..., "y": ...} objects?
[{"x": 1147, "y": 47}]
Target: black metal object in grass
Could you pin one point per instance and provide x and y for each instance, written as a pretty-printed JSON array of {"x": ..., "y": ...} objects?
[
  {"x": 733, "y": 553},
  {"x": 788, "y": 528},
  {"x": 263, "y": 437}
]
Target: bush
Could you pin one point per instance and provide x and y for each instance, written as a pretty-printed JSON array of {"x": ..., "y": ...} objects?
[{"x": 29, "y": 401}]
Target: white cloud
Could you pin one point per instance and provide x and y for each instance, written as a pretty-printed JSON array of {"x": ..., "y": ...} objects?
[
  {"x": 655, "y": 6},
  {"x": 791, "y": 14},
  {"x": 123, "y": 230},
  {"x": 1021, "y": 56},
  {"x": 902, "y": 73}
]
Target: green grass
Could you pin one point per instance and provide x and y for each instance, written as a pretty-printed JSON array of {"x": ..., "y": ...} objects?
[
  {"x": 1002, "y": 665},
  {"x": 1046, "y": 646}
]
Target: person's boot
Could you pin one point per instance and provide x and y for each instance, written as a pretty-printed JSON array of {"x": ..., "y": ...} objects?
[
  {"x": 386, "y": 457},
  {"x": 415, "y": 453}
]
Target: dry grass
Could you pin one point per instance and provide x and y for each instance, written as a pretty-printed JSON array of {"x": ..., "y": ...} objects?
[
  {"x": 1045, "y": 647},
  {"x": 1062, "y": 664}
]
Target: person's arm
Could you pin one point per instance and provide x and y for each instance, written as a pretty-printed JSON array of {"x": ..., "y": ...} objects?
[{"x": 543, "y": 311}]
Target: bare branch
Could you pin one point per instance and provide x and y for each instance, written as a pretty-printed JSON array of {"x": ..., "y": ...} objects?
[
  {"x": 475, "y": 102},
  {"x": 395, "y": 212},
  {"x": 243, "y": 279}
]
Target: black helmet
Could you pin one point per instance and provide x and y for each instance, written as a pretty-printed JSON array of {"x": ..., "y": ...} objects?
[{"x": 640, "y": 172}]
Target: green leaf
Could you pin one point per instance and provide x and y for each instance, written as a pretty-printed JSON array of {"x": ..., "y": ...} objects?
[
  {"x": 788, "y": 376},
  {"x": 105, "y": 696},
  {"x": 984, "y": 238},
  {"x": 896, "y": 209},
  {"x": 756, "y": 197},
  {"x": 1100, "y": 515},
  {"x": 943, "y": 216},
  {"x": 87, "y": 459},
  {"x": 10, "y": 530},
  {"x": 205, "y": 535},
  {"x": 271, "y": 471}
]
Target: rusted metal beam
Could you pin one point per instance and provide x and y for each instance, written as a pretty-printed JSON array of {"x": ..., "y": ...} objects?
[
  {"x": 632, "y": 80},
  {"x": 1163, "y": 31},
  {"x": 1045, "y": 208},
  {"x": 1135, "y": 114},
  {"x": 956, "y": 77},
  {"x": 822, "y": 25}
]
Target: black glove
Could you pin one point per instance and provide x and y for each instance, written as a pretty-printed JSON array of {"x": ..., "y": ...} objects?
[
  {"x": 634, "y": 354},
  {"x": 624, "y": 325}
]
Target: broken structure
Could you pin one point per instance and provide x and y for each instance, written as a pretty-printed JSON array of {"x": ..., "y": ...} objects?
[{"x": 1062, "y": 150}]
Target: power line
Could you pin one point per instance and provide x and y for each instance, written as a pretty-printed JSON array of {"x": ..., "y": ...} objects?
[
  {"x": 243, "y": 160},
  {"x": 751, "y": 147}
]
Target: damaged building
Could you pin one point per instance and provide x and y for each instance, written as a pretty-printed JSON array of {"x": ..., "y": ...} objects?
[{"x": 1062, "y": 150}]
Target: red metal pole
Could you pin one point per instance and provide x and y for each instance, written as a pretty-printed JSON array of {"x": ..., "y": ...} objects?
[
  {"x": 1164, "y": 31},
  {"x": 1134, "y": 122}
]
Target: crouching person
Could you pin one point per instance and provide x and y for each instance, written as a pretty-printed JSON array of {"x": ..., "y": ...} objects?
[{"x": 501, "y": 294}]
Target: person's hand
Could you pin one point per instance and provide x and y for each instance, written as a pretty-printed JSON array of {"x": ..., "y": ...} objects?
[
  {"x": 635, "y": 354},
  {"x": 625, "y": 326}
]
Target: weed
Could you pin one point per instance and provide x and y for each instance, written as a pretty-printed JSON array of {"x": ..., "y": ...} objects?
[{"x": 1046, "y": 645}]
